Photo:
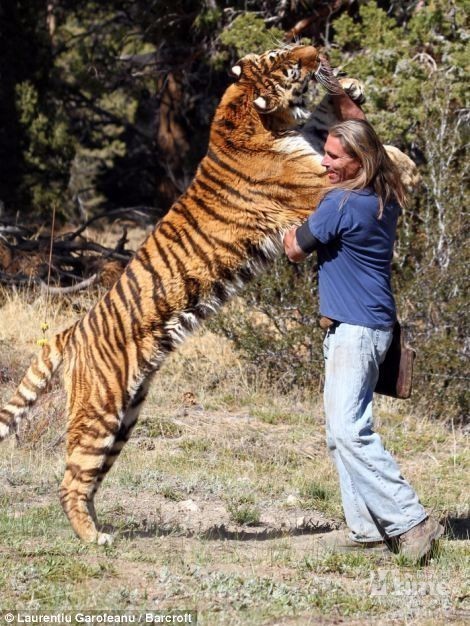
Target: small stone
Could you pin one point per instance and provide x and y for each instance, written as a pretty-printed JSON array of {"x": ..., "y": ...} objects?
[
  {"x": 300, "y": 522},
  {"x": 189, "y": 505},
  {"x": 292, "y": 500}
]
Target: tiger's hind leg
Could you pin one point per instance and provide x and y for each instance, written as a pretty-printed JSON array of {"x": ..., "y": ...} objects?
[
  {"x": 128, "y": 422},
  {"x": 89, "y": 440},
  {"x": 92, "y": 448}
]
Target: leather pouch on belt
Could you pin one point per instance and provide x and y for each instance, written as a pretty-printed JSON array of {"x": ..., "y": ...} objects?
[{"x": 396, "y": 371}]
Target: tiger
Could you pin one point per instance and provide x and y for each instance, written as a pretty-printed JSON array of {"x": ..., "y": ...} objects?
[{"x": 259, "y": 177}]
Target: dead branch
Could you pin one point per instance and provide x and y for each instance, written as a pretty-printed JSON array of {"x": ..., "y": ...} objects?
[
  {"x": 60, "y": 291},
  {"x": 142, "y": 215},
  {"x": 322, "y": 12},
  {"x": 77, "y": 262}
]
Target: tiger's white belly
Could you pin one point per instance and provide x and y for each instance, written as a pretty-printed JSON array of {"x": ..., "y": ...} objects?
[{"x": 298, "y": 145}]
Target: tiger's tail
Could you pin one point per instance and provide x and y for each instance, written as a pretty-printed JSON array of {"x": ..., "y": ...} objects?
[{"x": 33, "y": 384}]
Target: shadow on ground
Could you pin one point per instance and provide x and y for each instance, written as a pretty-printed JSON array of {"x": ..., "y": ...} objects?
[{"x": 457, "y": 528}]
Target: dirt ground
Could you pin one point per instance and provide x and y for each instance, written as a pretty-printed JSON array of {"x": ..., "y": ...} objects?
[{"x": 177, "y": 546}]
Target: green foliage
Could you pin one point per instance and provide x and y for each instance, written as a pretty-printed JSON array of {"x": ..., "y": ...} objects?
[
  {"x": 207, "y": 19},
  {"x": 277, "y": 325},
  {"x": 375, "y": 31},
  {"x": 398, "y": 63},
  {"x": 48, "y": 148},
  {"x": 83, "y": 102},
  {"x": 248, "y": 34}
]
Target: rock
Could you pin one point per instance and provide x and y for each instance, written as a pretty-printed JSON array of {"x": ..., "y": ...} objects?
[
  {"x": 189, "y": 505},
  {"x": 292, "y": 500}
]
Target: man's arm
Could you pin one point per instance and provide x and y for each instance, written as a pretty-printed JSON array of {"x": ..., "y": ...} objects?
[
  {"x": 299, "y": 243},
  {"x": 345, "y": 108}
]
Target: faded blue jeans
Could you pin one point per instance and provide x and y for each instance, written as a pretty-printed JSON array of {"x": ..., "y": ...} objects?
[{"x": 377, "y": 501}]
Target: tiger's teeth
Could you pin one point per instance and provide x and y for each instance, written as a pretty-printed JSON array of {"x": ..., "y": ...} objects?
[{"x": 260, "y": 102}]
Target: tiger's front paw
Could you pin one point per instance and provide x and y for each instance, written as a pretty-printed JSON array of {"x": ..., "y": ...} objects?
[{"x": 354, "y": 88}]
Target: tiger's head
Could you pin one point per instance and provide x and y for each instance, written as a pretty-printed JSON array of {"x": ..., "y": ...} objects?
[{"x": 280, "y": 81}]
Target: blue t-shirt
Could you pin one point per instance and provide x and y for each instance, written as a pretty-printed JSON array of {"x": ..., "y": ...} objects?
[{"x": 354, "y": 257}]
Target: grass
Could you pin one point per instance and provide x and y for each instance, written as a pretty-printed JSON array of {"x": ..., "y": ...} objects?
[
  {"x": 243, "y": 510},
  {"x": 219, "y": 506}
]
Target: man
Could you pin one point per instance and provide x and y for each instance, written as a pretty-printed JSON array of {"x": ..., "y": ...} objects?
[{"x": 353, "y": 230}]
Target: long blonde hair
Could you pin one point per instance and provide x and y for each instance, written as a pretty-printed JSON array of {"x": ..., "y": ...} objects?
[{"x": 378, "y": 171}]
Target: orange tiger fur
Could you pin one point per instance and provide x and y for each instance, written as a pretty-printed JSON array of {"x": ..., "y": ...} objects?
[{"x": 259, "y": 177}]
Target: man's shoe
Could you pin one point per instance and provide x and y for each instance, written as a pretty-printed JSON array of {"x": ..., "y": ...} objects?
[
  {"x": 339, "y": 540},
  {"x": 419, "y": 542}
]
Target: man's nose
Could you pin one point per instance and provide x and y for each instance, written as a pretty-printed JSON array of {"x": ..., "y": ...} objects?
[{"x": 324, "y": 161}]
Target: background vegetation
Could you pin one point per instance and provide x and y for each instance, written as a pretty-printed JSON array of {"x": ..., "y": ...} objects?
[{"x": 108, "y": 105}]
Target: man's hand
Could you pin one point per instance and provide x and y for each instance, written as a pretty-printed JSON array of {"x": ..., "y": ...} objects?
[{"x": 294, "y": 252}]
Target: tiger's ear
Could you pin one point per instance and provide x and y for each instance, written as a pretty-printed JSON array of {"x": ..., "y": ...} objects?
[{"x": 239, "y": 70}]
